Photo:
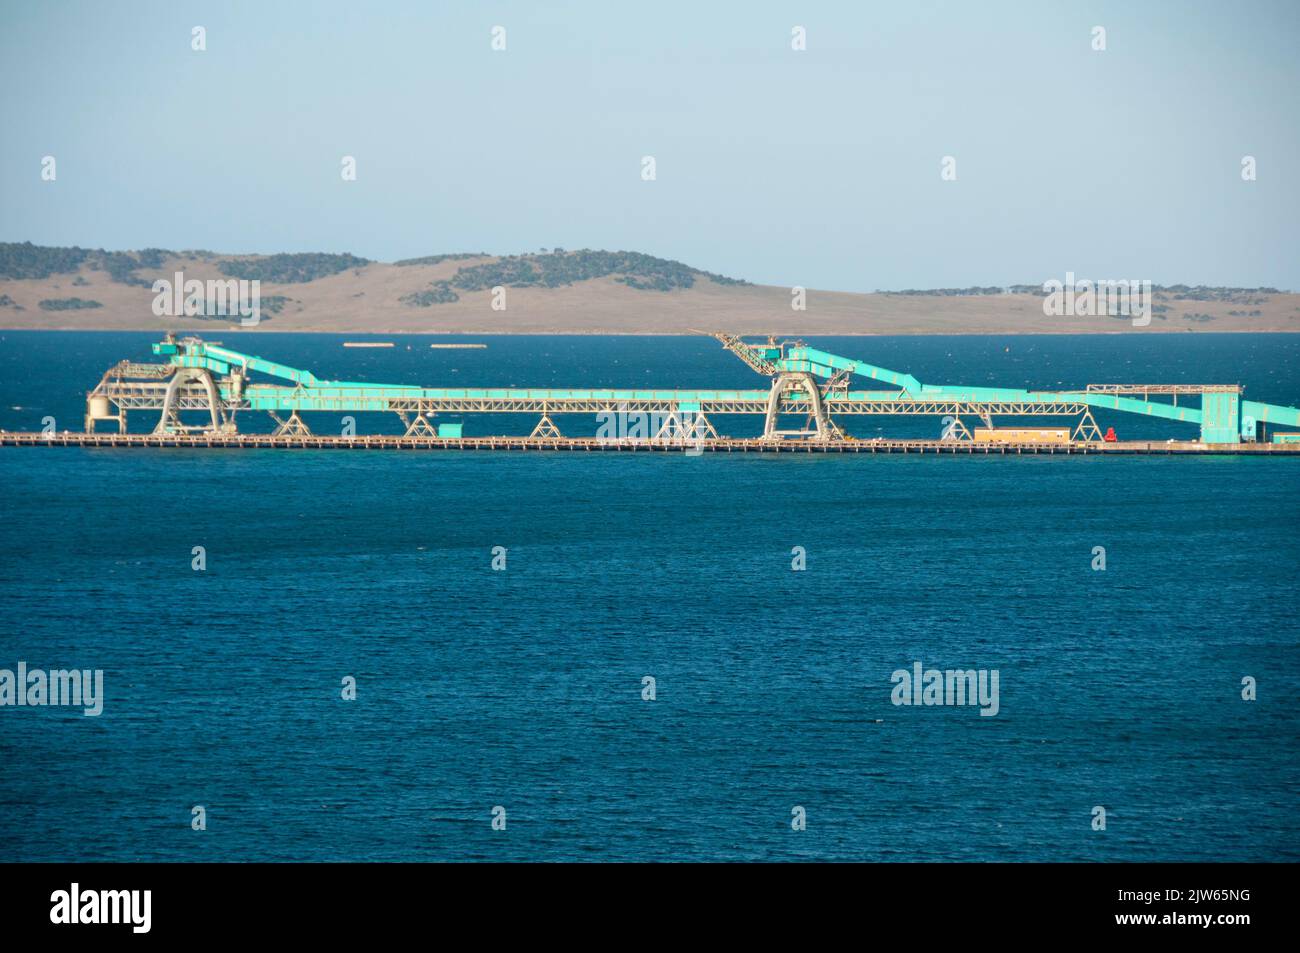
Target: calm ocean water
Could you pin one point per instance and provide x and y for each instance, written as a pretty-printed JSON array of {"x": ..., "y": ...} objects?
[{"x": 523, "y": 688}]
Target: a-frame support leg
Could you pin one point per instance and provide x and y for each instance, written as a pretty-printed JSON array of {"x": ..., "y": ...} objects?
[
  {"x": 293, "y": 427},
  {"x": 419, "y": 427},
  {"x": 956, "y": 429},
  {"x": 1087, "y": 430},
  {"x": 546, "y": 427}
]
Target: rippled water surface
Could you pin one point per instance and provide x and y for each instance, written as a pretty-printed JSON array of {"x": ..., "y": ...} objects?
[{"x": 523, "y": 688}]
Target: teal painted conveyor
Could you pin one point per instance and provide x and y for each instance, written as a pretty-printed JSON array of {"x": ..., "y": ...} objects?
[{"x": 803, "y": 380}]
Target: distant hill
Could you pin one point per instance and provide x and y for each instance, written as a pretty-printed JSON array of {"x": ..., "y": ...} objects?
[{"x": 554, "y": 291}]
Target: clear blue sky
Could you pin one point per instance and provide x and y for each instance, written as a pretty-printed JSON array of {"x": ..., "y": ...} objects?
[{"x": 818, "y": 168}]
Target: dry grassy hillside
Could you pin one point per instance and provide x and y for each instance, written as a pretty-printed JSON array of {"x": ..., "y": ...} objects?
[{"x": 561, "y": 292}]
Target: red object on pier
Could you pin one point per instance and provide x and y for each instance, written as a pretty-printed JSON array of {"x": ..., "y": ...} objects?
[{"x": 1110, "y": 436}]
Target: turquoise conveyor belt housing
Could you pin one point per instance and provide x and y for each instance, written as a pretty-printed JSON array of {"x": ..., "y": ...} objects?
[{"x": 804, "y": 382}]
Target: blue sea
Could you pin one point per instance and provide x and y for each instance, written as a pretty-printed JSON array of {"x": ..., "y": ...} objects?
[{"x": 523, "y": 688}]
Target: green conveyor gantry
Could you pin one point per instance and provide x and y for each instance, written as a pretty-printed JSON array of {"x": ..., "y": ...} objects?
[{"x": 802, "y": 381}]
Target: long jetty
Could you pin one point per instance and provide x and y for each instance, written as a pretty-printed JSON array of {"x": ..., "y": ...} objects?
[{"x": 237, "y": 441}]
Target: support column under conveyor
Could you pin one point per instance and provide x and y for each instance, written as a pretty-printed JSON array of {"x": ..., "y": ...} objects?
[
  {"x": 793, "y": 381},
  {"x": 171, "y": 404}
]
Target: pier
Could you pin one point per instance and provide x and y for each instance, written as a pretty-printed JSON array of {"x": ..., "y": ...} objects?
[
  {"x": 235, "y": 441},
  {"x": 199, "y": 390}
]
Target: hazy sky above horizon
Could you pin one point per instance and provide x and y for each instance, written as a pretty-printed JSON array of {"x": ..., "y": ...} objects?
[{"x": 818, "y": 168}]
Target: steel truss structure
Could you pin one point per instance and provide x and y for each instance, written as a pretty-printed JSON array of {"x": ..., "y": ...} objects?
[{"x": 806, "y": 383}]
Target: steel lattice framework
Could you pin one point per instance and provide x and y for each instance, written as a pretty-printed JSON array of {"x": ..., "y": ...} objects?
[{"x": 804, "y": 381}]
